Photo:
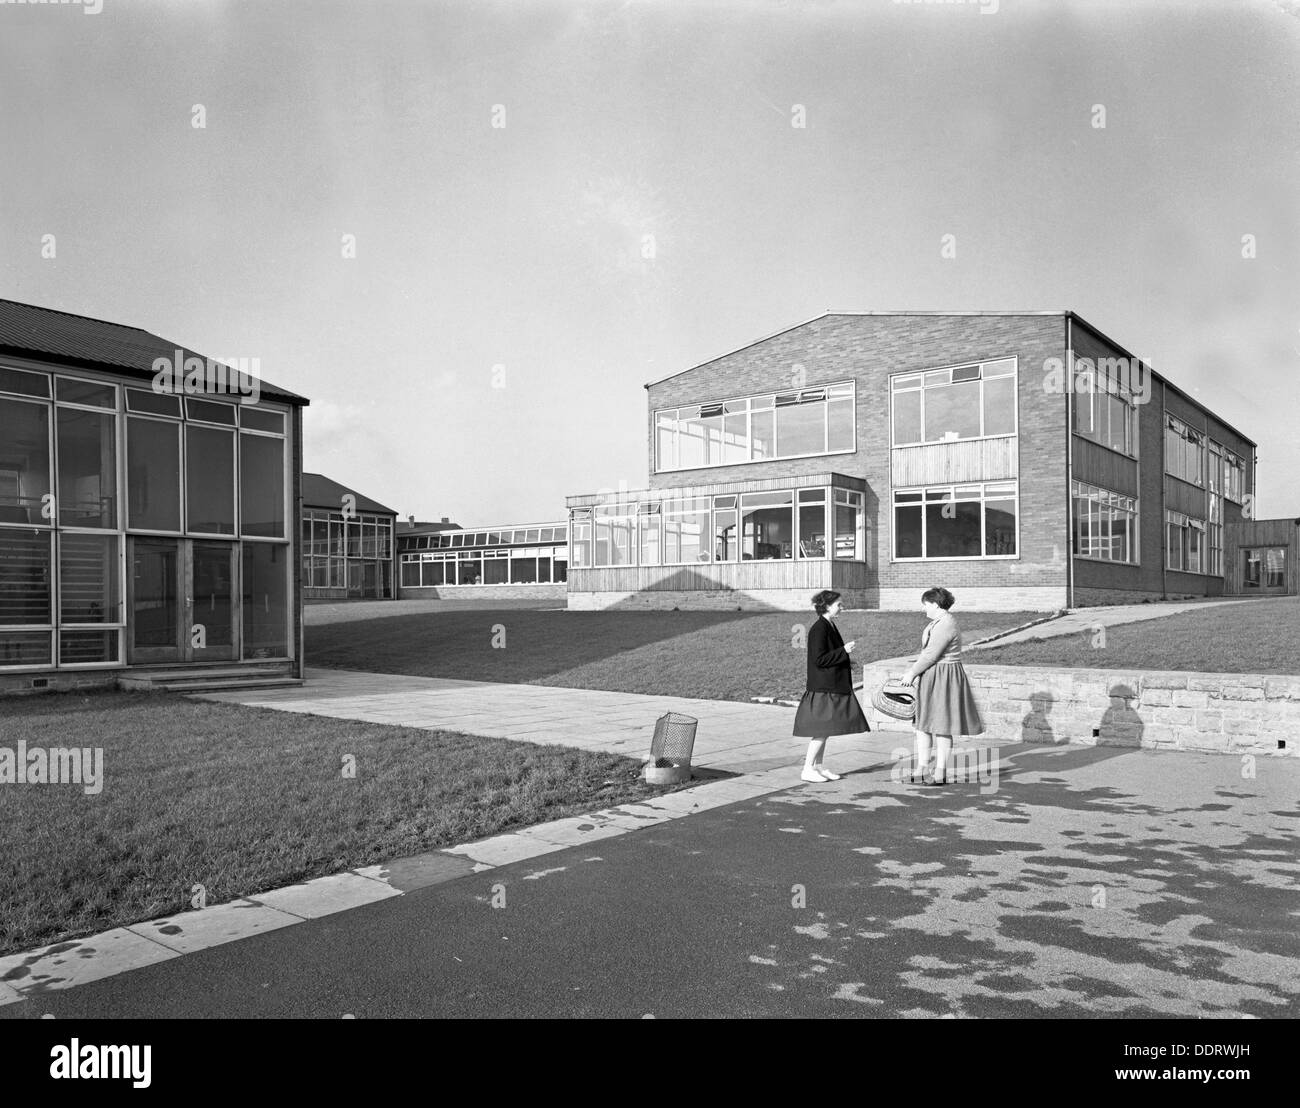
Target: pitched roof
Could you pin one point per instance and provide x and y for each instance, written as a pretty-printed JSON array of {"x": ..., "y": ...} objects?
[
  {"x": 320, "y": 492},
  {"x": 27, "y": 330}
]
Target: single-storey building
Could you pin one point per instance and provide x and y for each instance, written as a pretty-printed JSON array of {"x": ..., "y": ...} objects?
[
  {"x": 521, "y": 561},
  {"x": 1022, "y": 459},
  {"x": 148, "y": 498},
  {"x": 347, "y": 543}
]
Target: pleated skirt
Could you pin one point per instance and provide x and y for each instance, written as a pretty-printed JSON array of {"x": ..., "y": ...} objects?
[
  {"x": 823, "y": 714},
  {"x": 945, "y": 704}
]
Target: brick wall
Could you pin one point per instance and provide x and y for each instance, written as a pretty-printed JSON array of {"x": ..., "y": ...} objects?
[
  {"x": 18, "y": 684},
  {"x": 986, "y": 598},
  {"x": 782, "y": 600},
  {"x": 869, "y": 349},
  {"x": 1224, "y": 713}
]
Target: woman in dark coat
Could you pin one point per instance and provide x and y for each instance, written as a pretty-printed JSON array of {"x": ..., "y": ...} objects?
[{"x": 829, "y": 705}]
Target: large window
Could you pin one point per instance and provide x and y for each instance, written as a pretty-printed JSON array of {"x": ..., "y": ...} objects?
[
  {"x": 956, "y": 521},
  {"x": 1184, "y": 451},
  {"x": 1105, "y": 524},
  {"x": 1227, "y": 472},
  {"x": 776, "y": 525},
  {"x": 1104, "y": 406},
  {"x": 25, "y": 462},
  {"x": 87, "y": 468},
  {"x": 261, "y": 485},
  {"x": 1184, "y": 542},
  {"x": 153, "y": 474},
  {"x": 962, "y": 402},
  {"x": 210, "y": 479},
  {"x": 266, "y": 600},
  {"x": 795, "y": 424}
]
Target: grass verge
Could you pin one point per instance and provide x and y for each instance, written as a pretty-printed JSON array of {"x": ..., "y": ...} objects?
[
  {"x": 242, "y": 800},
  {"x": 1260, "y": 637},
  {"x": 709, "y": 655}
]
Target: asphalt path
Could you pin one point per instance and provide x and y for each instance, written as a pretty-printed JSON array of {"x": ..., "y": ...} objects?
[{"x": 1073, "y": 881}]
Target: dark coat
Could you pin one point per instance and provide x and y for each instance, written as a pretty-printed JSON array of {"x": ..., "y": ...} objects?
[{"x": 829, "y": 668}]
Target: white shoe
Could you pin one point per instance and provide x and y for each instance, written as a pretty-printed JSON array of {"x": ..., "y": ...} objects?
[
  {"x": 813, "y": 775},
  {"x": 827, "y": 773}
]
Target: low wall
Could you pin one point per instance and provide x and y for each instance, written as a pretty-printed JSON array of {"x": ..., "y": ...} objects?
[
  {"x": 66, "y": 680},
  {"x": 1224, "y": 713},
  {"x": 980, "y": 598}
]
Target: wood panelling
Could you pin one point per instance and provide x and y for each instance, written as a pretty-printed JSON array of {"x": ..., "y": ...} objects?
[
  {"x": 811, "y": 575},
  {"x": 1104, "y": 468},
  {"x": 1189, "y": 499},
  {"x": 952, "y": 463}
]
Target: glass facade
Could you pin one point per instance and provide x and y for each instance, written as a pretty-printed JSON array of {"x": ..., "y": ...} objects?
[
  {"x": 347, "y": 557},
  {"x": 956, "y": 521},
  {"x": 1105, "y": 524},
  {"x": 796, "y": 424},
  {"x": 127, "y": 524},
  {"x": 528, "y": 555},
  {"x": 774, "y": 525},
  {"x": 961, "y": 402}
]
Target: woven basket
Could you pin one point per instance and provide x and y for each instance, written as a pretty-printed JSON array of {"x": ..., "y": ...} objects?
[{"x": 895, "y": 699}]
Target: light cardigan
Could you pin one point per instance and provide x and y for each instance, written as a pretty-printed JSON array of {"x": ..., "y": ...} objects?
[{"x": 940, "y": 642}]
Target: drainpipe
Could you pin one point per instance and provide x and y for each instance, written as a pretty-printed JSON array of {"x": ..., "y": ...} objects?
[{"x": 1069, "y": 460}]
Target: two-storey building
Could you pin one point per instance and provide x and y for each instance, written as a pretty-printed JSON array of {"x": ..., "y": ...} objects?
[{"x": 1022, "y": 459}]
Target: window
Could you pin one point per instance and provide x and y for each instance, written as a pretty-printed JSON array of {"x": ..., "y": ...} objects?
[
  {"x": 686, "y": 529},
  {"x": 963, "y": 402},
  {"x": 153, "y": 465},
  {"x": 849, "y": 525},
  {"x": 812, "y": 523},
  {"x": 1184, "y": 452},
  {"x": 795, "y": 424},
  {"x": 614, "y": 529},
  {"x": 580, "y": 555},
  {"x": 956, "y": 521},
  {"x": 1227, "y": 472},
  {"x": 1104, "y": 406},
  {"x": 1184, "y": 542},
  {"x": 767, "y": 526},
  {"x": 1105, "y": 524},
  {"x": 266, "y": 599},
  {"x": 24, "y": 462},
  {"x": 1214, "y": 533},
  {"x": 210, "y": 480},
  {"x": 261, "y": 470}
]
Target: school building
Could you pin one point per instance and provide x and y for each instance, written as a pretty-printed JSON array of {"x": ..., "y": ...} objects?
[
  {"x": 148, "y": 510},
  {"x": 1022, "y": 459},
  {"x": 347, "y": 543},
  {"x": 521, "y": 561}
]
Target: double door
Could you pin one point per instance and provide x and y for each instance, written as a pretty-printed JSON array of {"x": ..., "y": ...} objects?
[{"x": 183, "y": 600}]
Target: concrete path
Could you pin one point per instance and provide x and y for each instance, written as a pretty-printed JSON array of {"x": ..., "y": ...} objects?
[
  {"x": 1080, "y": 620},
  {"x": 732, "y": 736}
]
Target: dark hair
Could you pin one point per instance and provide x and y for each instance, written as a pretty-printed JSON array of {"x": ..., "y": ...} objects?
[
  {"x": 942, "y": 597},
  {"x": 824, "y": 599}
]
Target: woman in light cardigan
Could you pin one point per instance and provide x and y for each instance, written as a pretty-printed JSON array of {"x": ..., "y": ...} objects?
[{"x": 944, "y": 703}]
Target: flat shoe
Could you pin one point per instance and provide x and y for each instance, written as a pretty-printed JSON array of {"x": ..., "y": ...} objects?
[
  {"x": 812, "y": 775},
  {"x": 827, "y": 774}
]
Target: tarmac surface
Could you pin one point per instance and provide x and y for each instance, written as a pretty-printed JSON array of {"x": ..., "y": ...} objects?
[{"x": 1053, "y": 882}]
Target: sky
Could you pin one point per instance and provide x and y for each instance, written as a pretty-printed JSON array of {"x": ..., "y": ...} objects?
[{"x": 471, "y": 232}]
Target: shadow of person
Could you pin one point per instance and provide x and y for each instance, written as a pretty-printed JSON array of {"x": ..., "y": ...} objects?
[
  {"x": 1120, "y": 724},
  {"x": 1035, "y": 727}
]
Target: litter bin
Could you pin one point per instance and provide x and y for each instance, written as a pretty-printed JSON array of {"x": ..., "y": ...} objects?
[{"x": 671, "y": 749}]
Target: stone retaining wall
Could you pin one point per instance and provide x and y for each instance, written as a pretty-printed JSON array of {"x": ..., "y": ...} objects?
[{"x": 1224, "y": 713}]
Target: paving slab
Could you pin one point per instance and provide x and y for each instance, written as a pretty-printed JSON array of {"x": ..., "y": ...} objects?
[
  {"x": 418, "y": 872},
  {"x": 205, "y": 927},
  {"x": 326, "y": 895},
  {"x": 501, "y": 850},
  {"x": 77, "y": 962}
]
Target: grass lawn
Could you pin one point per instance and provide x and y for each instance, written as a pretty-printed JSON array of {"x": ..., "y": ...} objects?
[
  {"x": 711, "y": 655},
  {"x": 241, "y": 800},
  {"x": 1260, "y": 637}
]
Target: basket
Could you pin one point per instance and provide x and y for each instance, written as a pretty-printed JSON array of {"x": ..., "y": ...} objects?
[
  {"x": 671, "y": 749},
  {"x": 896, "y": 700}
]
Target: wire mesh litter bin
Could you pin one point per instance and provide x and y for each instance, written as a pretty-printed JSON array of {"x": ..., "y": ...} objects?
[{"x": 671, "y": 749}]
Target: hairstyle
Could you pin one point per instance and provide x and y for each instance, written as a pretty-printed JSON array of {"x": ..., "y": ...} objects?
[
  {"x": 824, "y": 599},
  {"x": 939, "y": 596}
]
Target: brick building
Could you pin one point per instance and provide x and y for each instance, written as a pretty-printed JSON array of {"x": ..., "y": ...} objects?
[{"x": 1022, "y": 459}]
